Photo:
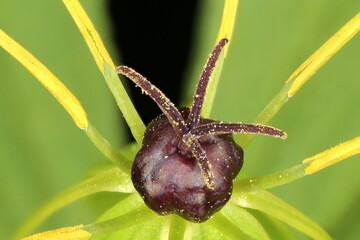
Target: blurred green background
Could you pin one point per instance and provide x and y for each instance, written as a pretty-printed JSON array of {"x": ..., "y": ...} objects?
[{"x": 42, "y": 152}]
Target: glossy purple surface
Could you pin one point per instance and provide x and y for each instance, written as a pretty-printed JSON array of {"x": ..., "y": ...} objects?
[{"x": 169, "y": 178}]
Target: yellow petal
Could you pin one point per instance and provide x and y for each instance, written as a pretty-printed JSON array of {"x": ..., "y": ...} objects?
[
  {"x": 46, "y": 78},
  {"x": 333, "y": 155},
  {"x": 89, "y": 33},
  {"x": 66, "y": 233},
  {"x": 227, "y": 22},
  {"x": 323, "y": 54},
  {"x": 107, "y": 67}
]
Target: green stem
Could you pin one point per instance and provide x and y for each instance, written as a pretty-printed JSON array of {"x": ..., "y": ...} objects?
[
  {"x": 129, "y": 219},
  {"x": 122, "y": 99},
  {"x": 107, "y": 149},
  {"x": 271, "y": 180},
  {"x": 266, "y": 115},
  {"x": 113, "y": 180}
]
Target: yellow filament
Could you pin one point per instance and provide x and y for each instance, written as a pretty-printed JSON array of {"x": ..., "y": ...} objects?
[
  {"x": 323, "y": 54},
  {"x": 46, "y": 78},
  {"x": 227, "y": 22},
  {"x": 89, "y": 33},
  {"x": 333, "y": 155}
]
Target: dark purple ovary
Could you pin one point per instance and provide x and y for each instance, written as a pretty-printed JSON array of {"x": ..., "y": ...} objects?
[{"x": 169, "y": 178}]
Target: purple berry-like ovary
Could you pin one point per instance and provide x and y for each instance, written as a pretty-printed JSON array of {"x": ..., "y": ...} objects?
[
  {"x": 168, "y": 177},
  {"x": 186, "y": 164}
]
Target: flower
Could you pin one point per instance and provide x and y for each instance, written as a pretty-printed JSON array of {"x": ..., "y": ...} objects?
[{"x": 131, "y": 214}]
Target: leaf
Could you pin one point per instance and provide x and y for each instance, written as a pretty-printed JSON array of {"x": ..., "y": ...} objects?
[
  {"x": 268, "y": 203},
  {"x": 177, "y": 228},
  {"x": 227, "y": 228},
  {"x": 273, "y": 226},
  {"x": 245, "y": 221},
  {"x": 147, "y": 230},
  {"x": 112, "y": 180},
  {"x": 131, "y": 225},
  {"x": 209, "y": 232}
]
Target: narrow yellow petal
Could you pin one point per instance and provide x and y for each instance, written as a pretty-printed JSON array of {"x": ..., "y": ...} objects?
[
  {"x": 333, "y": 155},
  {"x": 227, "y": 22},
  {"x": 46, "y": 78},
  {"x": 66, "y": 233},
  {"x": 323, "y": 54},
  {"x": 89, "y": 33},
  {"x": 107, "y": 67}
]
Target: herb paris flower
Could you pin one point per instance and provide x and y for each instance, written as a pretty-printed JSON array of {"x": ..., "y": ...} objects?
[{"x": 186, "y": 164}]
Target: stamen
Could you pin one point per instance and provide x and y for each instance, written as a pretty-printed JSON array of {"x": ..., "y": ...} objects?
[
  {"x": 47, "y": 79},
  {"x": 89, "y": 33},
  {"x": 333, "y": 155},
  {"x": 201, "y": 87},
  {"x": 168, "y": 108},
  {"x": 223, "y": 128}
]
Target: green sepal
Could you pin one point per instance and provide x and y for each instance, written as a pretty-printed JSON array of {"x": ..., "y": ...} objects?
[{"x": 268, "y": 203}]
